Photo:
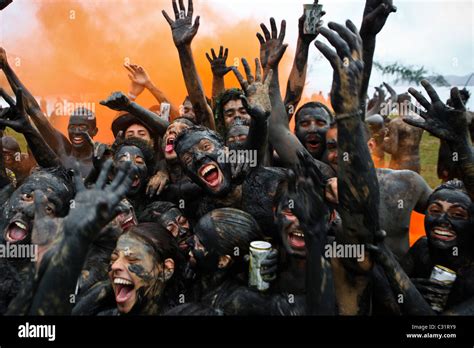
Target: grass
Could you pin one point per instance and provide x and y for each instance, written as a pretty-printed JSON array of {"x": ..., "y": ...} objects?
[{"x": 429, "y": 159}]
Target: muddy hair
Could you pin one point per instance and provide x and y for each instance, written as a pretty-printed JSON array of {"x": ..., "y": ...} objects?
[
  {"x": 454, "y": 185},
  {"x": 223, "y": 230},
  {"x": 154, "y": 210},
  {"x": 314, "y": 105},
  {"x": 144, "y": 147},
  {"x": 186, "y": 132}
]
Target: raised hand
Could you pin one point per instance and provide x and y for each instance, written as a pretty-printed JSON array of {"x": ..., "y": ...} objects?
[
  {"x": 93, "y": 208},
  {"x": 117, "y": 101},
  {"x": 442, "y": 121},
  {"x": 347, "y": 64},
  {"x": 16, "y": 118},
  {"x": 308, "y": 38},
  {"x": 256, "y": 99},
  {"x": 182, "y": 27},
  {"x": 376, "y": 13},
  {"x": 157, "y": 183},
  {"x": 137, "y": 74},
  {"x": 272, "y": 47},
  {"x": 218, "y": 63}
]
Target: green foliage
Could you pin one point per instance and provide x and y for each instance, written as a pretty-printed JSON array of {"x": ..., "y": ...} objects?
[{"x": 410, "y": 74}]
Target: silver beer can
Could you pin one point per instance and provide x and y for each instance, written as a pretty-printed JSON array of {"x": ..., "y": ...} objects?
[
  {"x": 258, "y": 252},
  {"x": 444, "y": 275},
  {"x": 313, "y": 14}
]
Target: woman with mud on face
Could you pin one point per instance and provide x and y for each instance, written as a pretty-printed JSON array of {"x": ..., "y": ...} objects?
[{"x": 143, "y": 274}]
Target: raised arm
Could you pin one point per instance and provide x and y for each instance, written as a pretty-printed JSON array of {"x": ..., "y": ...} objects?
[
  {"x": 297, "y": 78},
  {"x": 141, "y": 80},
  {"x": 61, "y": 265},
  {"x": 219, "y": 70},
  {"x": 449, "y": 124},
  {"x": 375, "y": 15},
  {"x": 281, "y": 138},
  {"x": 183, "y": 31},
  {"x": 55, "y": 138},
  {"x": 120, "y": 102},
  {"x": 358, "y": 189},
  {"x": 257, "y": 103},
  {"x": 17, "y": 119}
]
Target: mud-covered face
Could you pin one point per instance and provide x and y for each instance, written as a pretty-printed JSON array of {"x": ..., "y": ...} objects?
[
  {"x": 200, "y": 259},
  {"x": 291, "y": 234},
  {"x": 126, "y": 217},
  {"x": 201, "y": 155},
  {"x": 170, "y": 136},
  {"x": 311, "y": 127},
  {"x": 187, "y": 111},
  {"x": 178, "y": 226},
  {"x": 135, "y": 155},
  {"x": 19, "y": 211},
  {"x": 234, "y": 110},
  {"x": 78, "y": 125},
  {"x": 138, "y": 131},
  {"x": 237, "y": 135},
  {"x": 448, "y": 220},
  {"x": 134, "y": 272},
  {"x": 331, "y": 148}
]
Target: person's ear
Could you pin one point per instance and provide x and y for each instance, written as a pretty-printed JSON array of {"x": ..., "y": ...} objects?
[
  {"x": 371, "y": 144},
  {"x": 169, "y": 269},
  {"x": 224, "y": 261},
  {"x": 94, "y": 132}
]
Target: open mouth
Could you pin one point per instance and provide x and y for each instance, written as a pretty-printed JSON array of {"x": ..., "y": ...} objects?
[
  {"x": 296, "y": 240},
  {"x": 136, "y": 181},
  {"x": 211, "y": 175},
  {"x": 313, "y": 142},
  {"x": 126, "y": 220},
  {"x": 170, "y": 144},
  {"x": 443, "y": 234},
  {"x": 17, "y": 231},
  {"x": 124, "y": 290},
  {"x": 77, "y": 140}
]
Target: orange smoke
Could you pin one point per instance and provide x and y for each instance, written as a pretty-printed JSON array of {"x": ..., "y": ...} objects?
[{"x": 78, "y": 51}]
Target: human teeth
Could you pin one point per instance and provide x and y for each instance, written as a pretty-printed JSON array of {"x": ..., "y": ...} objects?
[
  {"x": 443, "y": 233},
  {"x": 298, "y": 234},
  {"x": 122, "y": 281},
  {"x": 207, "y": 169},
  {"x": 19, "y": 224}
]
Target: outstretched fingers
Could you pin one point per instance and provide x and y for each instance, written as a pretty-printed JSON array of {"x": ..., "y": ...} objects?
[
  {"x": 248, "y": 71},
  {"x": 330, "y": 54},
  {"x": 420, "y": 98},
  {"x": 244, "y": 84}
]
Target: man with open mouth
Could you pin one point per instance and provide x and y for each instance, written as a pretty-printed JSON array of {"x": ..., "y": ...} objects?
[{"x": 312, "y": 121}]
